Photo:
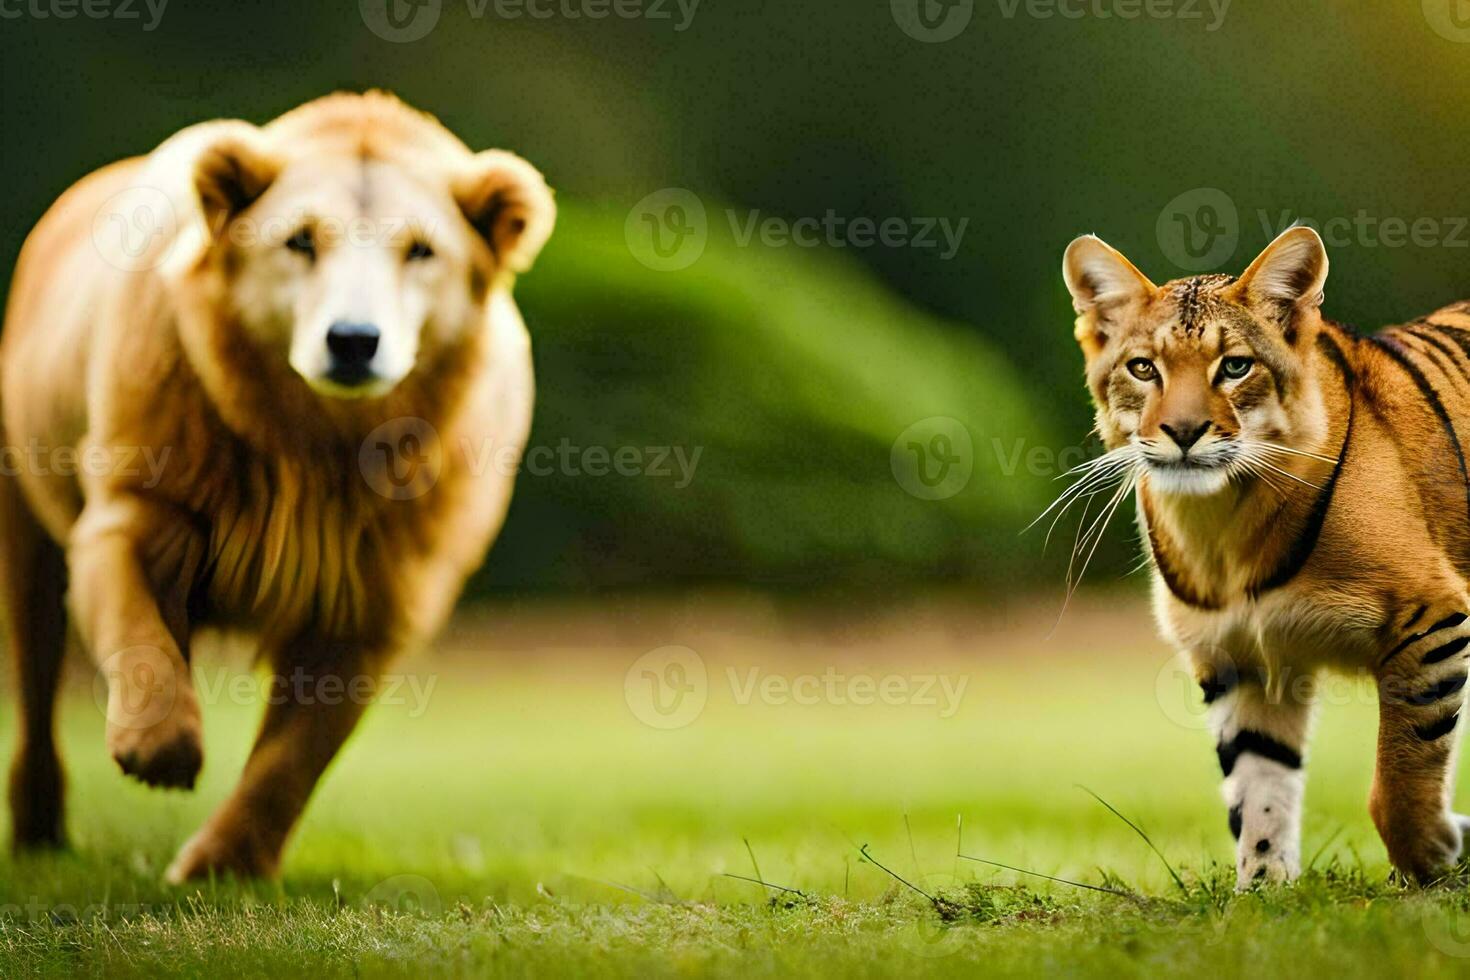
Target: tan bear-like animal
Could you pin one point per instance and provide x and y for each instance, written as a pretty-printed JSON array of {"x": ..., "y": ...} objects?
[{"x": 246, "y": 381}]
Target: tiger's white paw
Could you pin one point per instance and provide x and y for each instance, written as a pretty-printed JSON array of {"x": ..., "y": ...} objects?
[
  {"x": 1266, "y": 821},
  {"x": 1268, "y": 851}
]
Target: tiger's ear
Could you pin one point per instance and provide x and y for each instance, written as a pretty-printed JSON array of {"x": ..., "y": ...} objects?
[
  {"x": 509, "y": 204},
  {"x": 1100, "y": 280},
  {"x": 1289, "y": 274},
  {"x": 220, "y": 169}
]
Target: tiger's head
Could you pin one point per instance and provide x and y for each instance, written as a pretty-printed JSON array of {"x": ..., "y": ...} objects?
[{"x": 1206, "y": 378}]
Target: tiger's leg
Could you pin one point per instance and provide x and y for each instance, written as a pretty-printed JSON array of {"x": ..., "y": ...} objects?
[
  {"x": 1421, "y": 682},
  {"x": 1260, "y": 737}
]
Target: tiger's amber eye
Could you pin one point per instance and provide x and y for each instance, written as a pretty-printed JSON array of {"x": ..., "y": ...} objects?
[{"x": 1143, "y": 369}]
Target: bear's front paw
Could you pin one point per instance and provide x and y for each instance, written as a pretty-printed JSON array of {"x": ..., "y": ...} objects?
[
  {"x": 168, "y": 751},
  {"x": 213, "y": 851}
]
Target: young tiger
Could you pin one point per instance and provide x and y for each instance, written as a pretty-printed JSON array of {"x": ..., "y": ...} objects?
[{"x": 1304, "y": 495}]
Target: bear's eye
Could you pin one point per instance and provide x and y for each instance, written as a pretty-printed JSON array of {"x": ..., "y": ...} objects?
[
  {"x": 1235, "y": 368},
  {"x": 303, "y": 242},
  {"x": 1143, "y": 369},
  {"x": 419, "y": 251}
]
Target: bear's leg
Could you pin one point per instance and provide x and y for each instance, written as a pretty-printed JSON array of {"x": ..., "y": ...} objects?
[
  {"x": 314, "y": 705},
  {"x": 138, "y": 633},
  {"x": 33, "y": 579}
]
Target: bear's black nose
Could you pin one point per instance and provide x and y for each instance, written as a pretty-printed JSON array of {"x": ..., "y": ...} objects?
[{"x": 352, "y": 346}]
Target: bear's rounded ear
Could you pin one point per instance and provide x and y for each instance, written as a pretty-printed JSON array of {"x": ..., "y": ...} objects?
[
  {"x": 217, "y": 170},
  {"x": 231, "y": 172},
  {"x": 509, "y": 204}
]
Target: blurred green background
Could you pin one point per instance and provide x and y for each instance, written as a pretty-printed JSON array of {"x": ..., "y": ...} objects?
[{"x": 805, "y": 376}]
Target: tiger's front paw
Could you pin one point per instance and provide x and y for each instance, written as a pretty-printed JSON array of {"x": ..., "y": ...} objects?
[
  {"x": 1432, "y": 852},
  {"x": 1267, "y": 853},
  {"x": 1266, "y": 822},
  {"x": 1426, "y": 851},
  {"x": 1263, "y": 867}
]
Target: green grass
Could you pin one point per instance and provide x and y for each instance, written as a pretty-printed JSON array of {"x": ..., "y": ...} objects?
[{"x": 522, "y": 820}]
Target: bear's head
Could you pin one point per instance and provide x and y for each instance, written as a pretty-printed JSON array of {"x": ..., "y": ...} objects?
[{"x": 345, "y": 245}]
